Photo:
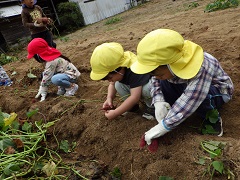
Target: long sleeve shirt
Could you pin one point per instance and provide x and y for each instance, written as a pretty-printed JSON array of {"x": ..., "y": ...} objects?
[
  {"x": 197, "y": 88},
  {"x": 30, "y": 15},
  {"x": 58, "y": 65}
]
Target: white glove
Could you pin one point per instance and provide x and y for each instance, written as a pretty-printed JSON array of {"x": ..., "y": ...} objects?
[
  {"x": 161, "y": 110},
  {"x": 155, "y": 132},
  {"x": 42, "y": 92}
]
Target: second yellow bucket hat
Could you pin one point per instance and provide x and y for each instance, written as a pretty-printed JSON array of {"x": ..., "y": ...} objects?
[{"x": 165, "y": 46}]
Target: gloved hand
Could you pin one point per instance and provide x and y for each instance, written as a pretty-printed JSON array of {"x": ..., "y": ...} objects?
[
  {"x": 42, "y": 92},
  {"x": 155, "y": 132},
  {"x": 152, "y": 147},
  {"x": 150, "y": 137},
  {"x": 161, "y": 110}
]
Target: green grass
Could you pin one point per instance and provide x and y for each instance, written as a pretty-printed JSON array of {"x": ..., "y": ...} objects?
[{"x": 221, "y": 4}]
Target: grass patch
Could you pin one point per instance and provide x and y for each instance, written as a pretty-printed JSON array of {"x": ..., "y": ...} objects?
[
  {"x": 221, "y": 4},
  {"x": 113, "y": 20}
]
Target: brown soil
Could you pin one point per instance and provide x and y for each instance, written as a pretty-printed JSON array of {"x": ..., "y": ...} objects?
[{"x": 116, "y": 143}]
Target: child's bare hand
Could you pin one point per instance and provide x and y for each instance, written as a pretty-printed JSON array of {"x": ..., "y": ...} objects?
[
  {"x": 44, "y": 20},
  {"x": 108, "y": 105},
  {"x": 106, "y": 108},
  {"x": 110, "y": 114}
]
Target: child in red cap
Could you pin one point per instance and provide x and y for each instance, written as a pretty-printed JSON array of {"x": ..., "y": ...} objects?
[{"x": 58, "y": 69}]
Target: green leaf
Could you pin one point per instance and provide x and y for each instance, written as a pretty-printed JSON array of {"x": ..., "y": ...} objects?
[
  {"x": 208, "y": 129},
  {"x": 2, "y": 117},
  {"x": 74, "y": 144},
  {"x": 218, "y": 166},
  {"x": 30, "y": 75},
  {"x": 201, "y": 161},
  {"x": 26, "y": 127},
  {"x": 39, "y": 123},
  {"x": 38, "y": 166},
  {"x": 1, "y": 122},
  {"x": 49, "y": 124},
  {"x": 6, "y": 143},
  {"x": 15, "y": 125},
  {"x": 14, "y": 73},
  {"x": 212, "y": 116},
  {"x": 31, "y": 113},
  {"x": 211, "y": 147},
  {"x": 11, "y": 168},
  {"x": 64, "y": 145}
]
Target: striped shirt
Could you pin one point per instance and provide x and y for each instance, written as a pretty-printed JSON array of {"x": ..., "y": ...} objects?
[{"x": 211, "y": 73}]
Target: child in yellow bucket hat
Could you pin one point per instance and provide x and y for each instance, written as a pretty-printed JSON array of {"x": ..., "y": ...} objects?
[
  {"x": 110, "y": 62},
  {"x": 189, "y": 79}
]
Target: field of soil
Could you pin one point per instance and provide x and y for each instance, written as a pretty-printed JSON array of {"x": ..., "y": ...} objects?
[{"x": 115, "y": 144}]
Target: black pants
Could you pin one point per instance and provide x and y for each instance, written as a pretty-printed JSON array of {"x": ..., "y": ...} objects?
[
  {"x": 172, "y": 92},
  {"x": 47, "y": 36}
]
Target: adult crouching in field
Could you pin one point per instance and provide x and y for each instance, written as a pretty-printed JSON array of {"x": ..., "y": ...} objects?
[
  {"x": 186, "y": 77},
  {"x": 58, "y": 69}
]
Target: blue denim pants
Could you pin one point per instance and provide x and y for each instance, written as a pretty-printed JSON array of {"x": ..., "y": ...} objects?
[{"x": 62, "y": 80}]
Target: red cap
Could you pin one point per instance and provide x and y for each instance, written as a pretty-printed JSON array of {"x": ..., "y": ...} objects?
[{"x": 39, "y": 46}]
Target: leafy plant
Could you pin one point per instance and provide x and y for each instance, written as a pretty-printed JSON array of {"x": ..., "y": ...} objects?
[
  {"x": 113, "y": 20},
  {"x": 30, "y": 75},
  {"x": 24, "y": 152},
  {"x": 5, "y": 59},
  {"x": 221, "y": 4},
  {"x": 212, "y": 116},
  {"x": 215, "y": 162}
]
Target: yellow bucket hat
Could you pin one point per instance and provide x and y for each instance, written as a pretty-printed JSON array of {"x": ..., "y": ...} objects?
[
  {"x": 107, "y": 57},
  {"x": 165, "y": 46}
]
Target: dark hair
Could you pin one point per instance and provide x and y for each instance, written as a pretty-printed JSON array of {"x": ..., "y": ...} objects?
[
  {"x": 64, "y": 57},
  {"x": 40, "y": 60},
  {"x": 113, "y": 72}
]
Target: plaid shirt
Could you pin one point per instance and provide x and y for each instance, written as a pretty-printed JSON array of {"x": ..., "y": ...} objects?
[{"x": 211, "y": 73}]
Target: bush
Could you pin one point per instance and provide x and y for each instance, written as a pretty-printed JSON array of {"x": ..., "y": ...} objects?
[{"x": 70, "y": 15}]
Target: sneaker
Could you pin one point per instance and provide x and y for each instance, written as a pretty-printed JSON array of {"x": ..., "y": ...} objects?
[
  {"x": 149, "y": 113},
  {"x": 212, "y": 128},
  {"x": 71, "y": 91},
  {"x": 61, "y": 91}
]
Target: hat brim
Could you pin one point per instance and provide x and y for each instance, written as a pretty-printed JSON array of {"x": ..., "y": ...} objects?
[
  {"x": 95, "y": 76},
  {"x": 139, "y": 68},
  {"x": 190, "y": 63},
  {"x": 29, "y": 56}
]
